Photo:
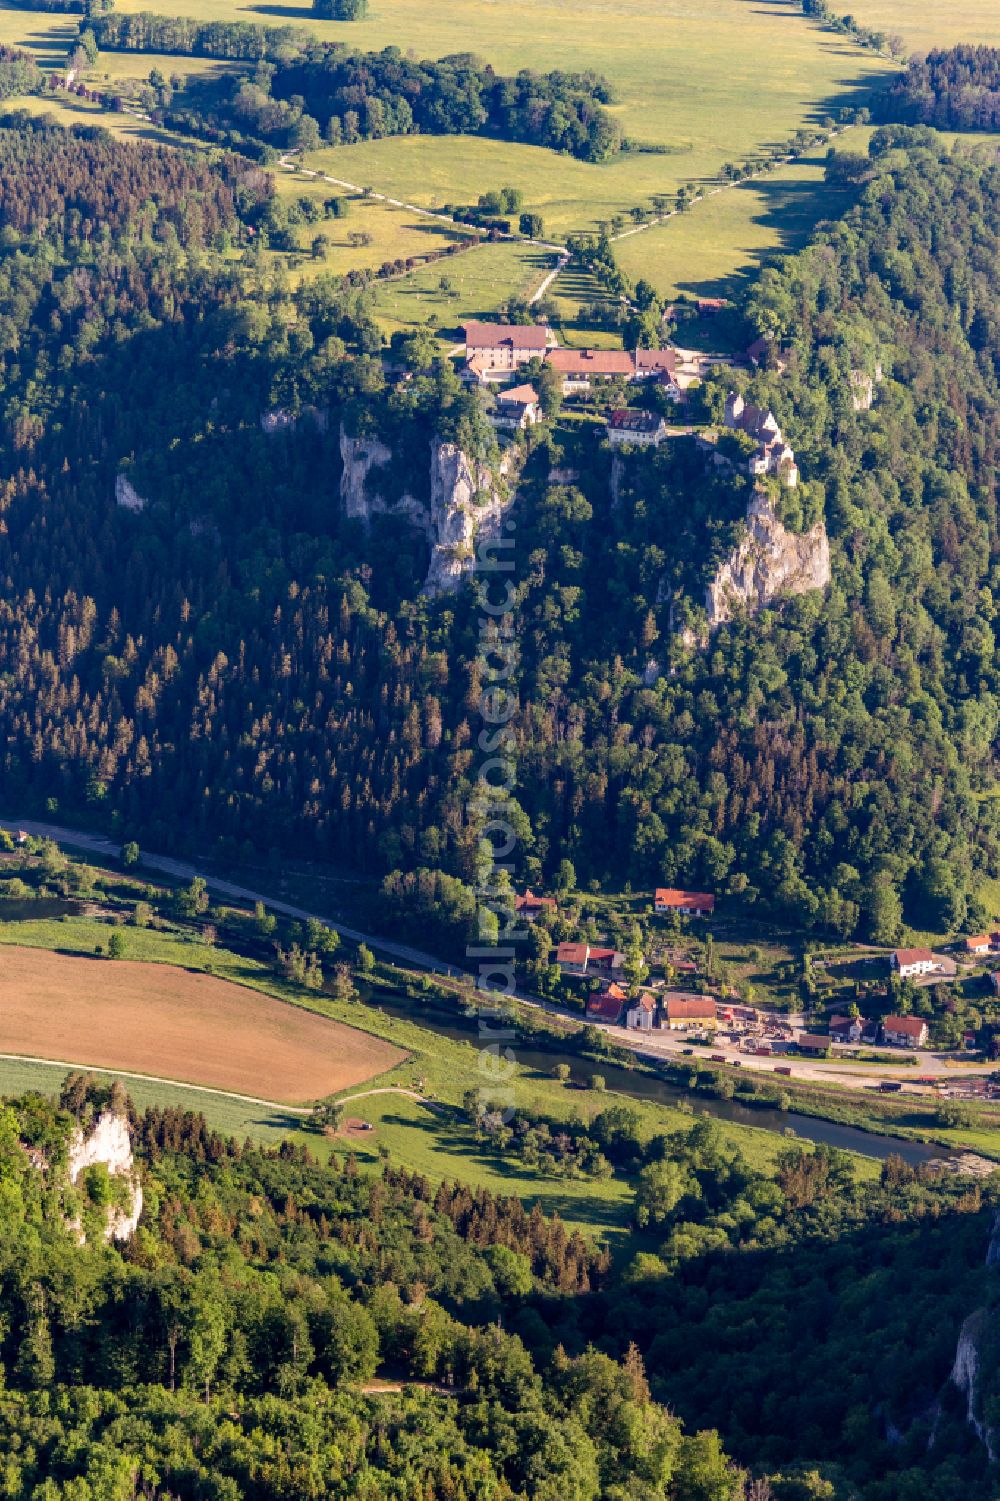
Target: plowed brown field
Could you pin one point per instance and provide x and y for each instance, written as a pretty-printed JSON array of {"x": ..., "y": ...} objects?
[{"x": 158, "y": 1019}]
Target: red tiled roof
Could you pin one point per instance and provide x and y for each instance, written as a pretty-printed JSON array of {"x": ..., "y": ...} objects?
[
  {"x": 668, "y": 896},
  {"x": 572, "y": 953},
  {"x": 605, "y": 1006},
  {"x": 978, "y": 941},
  {"x": 517, "y": 335},
  {"x": 910, "y": 1026},
  {"x": 912, "y": 956},
  {"x": 591, "y": 361},
  {"x": 529, "y": 902}
]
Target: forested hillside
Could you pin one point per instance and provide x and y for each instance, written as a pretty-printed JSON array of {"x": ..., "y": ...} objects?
[
  {"x": 246, "y": 654},
  {"x": 281, "y": 1329},
  {"x": 229, "y": 1348}
]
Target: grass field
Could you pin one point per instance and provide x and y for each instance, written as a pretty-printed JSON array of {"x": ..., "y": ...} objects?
[
  {"x": 479, "y": 281},
  {"x": 727, "y": 236},
  {"x": 395, "y": 233},
  {"x": 163, "y": 1020},
  {"x": 932, "y": 23},
  {"x": 228, "y": 1114}
]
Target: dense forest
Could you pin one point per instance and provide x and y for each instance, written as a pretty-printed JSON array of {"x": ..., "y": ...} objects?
[
  {"x": 957, "y": 89},
  {"x": 230, "y": 1347},
  {"x": 244, "y": 662},
  {"x": 348, "y": 96}
]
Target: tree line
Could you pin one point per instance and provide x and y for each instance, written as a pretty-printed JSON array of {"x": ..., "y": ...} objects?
[{"x": 953, "y": 89}]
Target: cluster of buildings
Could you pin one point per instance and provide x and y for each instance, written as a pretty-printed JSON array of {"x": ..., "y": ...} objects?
[
  {"x": 495, "y": 352},
  {"x": 672, "y": 1011},
  {"x": 772, "y": 454}
]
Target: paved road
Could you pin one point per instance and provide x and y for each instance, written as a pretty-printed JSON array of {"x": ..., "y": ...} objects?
[
  {"x": 182, "y": 870},
  {"x": 669, "y": 1045}
]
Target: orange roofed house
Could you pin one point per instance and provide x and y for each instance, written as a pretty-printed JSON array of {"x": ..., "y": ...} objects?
[
  {"x": 529, "y": 906},
  {"x": 682, "y": 1011},
  {"x": 687, "y": 903}
]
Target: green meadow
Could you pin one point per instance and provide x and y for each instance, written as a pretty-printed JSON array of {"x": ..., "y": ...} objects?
[
  {"x": 932, "y": 23},
  {"x": 447, "y": 293}
]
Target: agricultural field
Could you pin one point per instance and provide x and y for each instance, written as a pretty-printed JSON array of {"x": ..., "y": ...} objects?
[
  {"x": 470, "y": 285},
  {"x": 688, "y": 80},
  {"x": 932, "y": 23},
  {"x": 727, "y": 236},
  {"x": 166, "y": 1021}
]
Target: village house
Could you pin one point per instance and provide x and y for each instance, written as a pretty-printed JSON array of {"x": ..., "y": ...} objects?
[
  {"x": 606, "y": 1005},
  {"x": 635, "y": 426},
  {"x": 808, "y": 1042},
  {"x": 847, "y": 1029},
  {"x": 582, "y": 959},
  {"x": 905, "y": 1031},
  {"x": 980, "y": 944},
  {"x": 641, "y": 1014},
  {"x": 686, "y": 903},
  {"x": 495, "y": 351},
  {"x": 682, "y": 1011},
  {"x": 529, "y": 906},
  {"x": 772, "y": 455},
  {"x": 910, "y": 962},
  {"x": 517, "y": 407},
  {"x": 579, "y": 367},
  {"x": 663, "y": 366}
]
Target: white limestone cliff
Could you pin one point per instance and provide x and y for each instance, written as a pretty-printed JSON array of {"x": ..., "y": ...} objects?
[
  {"x": 768, "y": 563},
  {"x": 127, "y": 496},
  {"x": 468, "y": 500},
  {"x": 468, "y": 503},
  {"x": 109, "y": 1141}
]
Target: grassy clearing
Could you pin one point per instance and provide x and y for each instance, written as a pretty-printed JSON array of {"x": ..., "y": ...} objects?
[
  {"x": 689, "y": 80},
  {"x": 725, "y": 238},
  {"x": 932, "y": 23},
  {"x": 478, "y": 281},
  {"x": 395, "y": 233}
]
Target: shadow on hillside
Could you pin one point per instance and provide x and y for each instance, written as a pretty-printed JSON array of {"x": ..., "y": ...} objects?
[
  {"x": 284, "y": 12},
  {"x": 818, "y": 1350}
]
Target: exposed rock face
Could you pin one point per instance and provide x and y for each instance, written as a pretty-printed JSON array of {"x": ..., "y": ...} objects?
[
  {"x": 108, "y": 1141},
  {"x": 965, "y": 1375},
  {"x": 127, "y": 495},
  {"x": 767, "y": 563},
  {"x": 467, "y": 503},
  {"x": 360, "y": 456}
]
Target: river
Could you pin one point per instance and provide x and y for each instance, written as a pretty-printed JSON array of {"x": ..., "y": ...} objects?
[{"x": 452, "y": 1023}]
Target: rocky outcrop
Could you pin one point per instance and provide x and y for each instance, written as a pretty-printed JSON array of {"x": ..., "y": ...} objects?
[
  {"x": 281, "y": 420},
  {"x": 965, "y": 1375},
  {"x": 768, "y": 563},
  {"x": 127, "y": 496},
  {"x": 467, "y": 501},
  {"x": 109, "y": 1141}
]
